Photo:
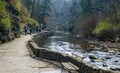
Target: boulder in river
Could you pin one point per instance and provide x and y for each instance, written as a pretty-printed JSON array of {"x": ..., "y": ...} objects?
[
  {"x": 116, "y": 61},
  {"x": 92, "y": 57},
  {"x": 107, "y": 57}
]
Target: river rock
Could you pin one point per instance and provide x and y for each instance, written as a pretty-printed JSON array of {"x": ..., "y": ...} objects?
[
  {"x": 97, "y": 60},
  {"x": 115, "y": 69},
  {"x": 77, "y": 36},
  {"x": 111, "y": 51},
  {"x": 64, "y": 43},
  {"x": 116, "y": 61},
  {"x": 118, "y": 53},
  {"x": 108, "y": 57},
  {"x": 97, "y": 48},
  {"x": 92, "y": 57},
  {"x": 105, "y": 65},
  {"x": 92, "y": 46},
  {"x": 75, "y": 46}
]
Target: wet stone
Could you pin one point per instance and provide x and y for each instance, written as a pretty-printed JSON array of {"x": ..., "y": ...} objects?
[
  {"x": 108, "y": 57},
  {"x": 97, "y": 60},
  {"x": 116, "y": 61},
  {"x": 105, "y": 65},
  {"x": 111, "y": 51},
  {"x": 92, "y": 57},
  {"x": 115, "y": 69},
  {"x": 72, "y": 46},
  {"x": 118, "y": 53},
  {"x": 118, "y": 56}
]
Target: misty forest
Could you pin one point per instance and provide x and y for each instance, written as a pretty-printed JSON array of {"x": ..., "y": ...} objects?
[{"x": 77, "y": 34}]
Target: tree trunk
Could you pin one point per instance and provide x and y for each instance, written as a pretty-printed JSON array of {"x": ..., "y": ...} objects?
[
  {"x": 28, "y": 5},
  {"x": 33, "y": 5}
]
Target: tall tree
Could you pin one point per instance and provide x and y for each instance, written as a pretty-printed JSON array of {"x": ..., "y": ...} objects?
[
  {"x": 45, "y": 8},
  {"x": 33, "y": 5}
]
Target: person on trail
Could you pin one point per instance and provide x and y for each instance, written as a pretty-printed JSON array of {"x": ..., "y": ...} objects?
[
  {"x": 30, "y": 29},
  {"x": 25, "y": 29}
]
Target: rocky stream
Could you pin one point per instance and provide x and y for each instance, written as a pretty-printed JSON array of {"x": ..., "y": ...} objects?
[{"x": 97, "y": 55}]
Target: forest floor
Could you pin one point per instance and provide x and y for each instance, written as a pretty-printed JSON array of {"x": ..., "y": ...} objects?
[{"x": 14, "y": 58}]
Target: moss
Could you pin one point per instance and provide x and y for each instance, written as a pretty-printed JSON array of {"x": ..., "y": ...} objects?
[
  {"x": 3, "y": 9},
  {"x": 10, "y": 20},
  {"x": 6, "y": 22}
]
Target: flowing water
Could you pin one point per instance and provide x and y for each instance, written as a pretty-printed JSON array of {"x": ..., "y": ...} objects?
[{"x": 67, "y": 43}]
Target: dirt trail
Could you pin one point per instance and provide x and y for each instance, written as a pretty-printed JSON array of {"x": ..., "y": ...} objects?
[{"x": 14, "y": 58}]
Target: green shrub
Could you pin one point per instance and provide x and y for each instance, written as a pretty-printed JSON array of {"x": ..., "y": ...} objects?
[
  {"x": 17, "y": 4},
  {"x": 119, "y": 25},
  {"x": 32, "y": 22},
  {"x": 102, "y": 28},
  {"x": 6, "y": 22},
  {"x": 3, "y": 9}
]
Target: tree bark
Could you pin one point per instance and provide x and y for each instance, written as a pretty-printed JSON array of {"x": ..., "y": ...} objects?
[
  {"x": 28, "y": 5},
  {"x": 33, "y": 5}
]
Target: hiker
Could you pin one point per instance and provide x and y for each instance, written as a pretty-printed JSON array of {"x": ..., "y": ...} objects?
[
  {"x": 25, "y": 29},
  {"x": 30, "y": 29}
]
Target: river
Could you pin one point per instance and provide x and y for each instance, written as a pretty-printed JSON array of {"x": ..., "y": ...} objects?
[{"x": 67, "y": 43}]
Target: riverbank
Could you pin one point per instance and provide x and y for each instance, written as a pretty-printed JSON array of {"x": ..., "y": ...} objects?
[
  {"x": 105, "y": 46},
  {"x": 60, "y": 50},
  {"x": 95, "y": 44}
]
